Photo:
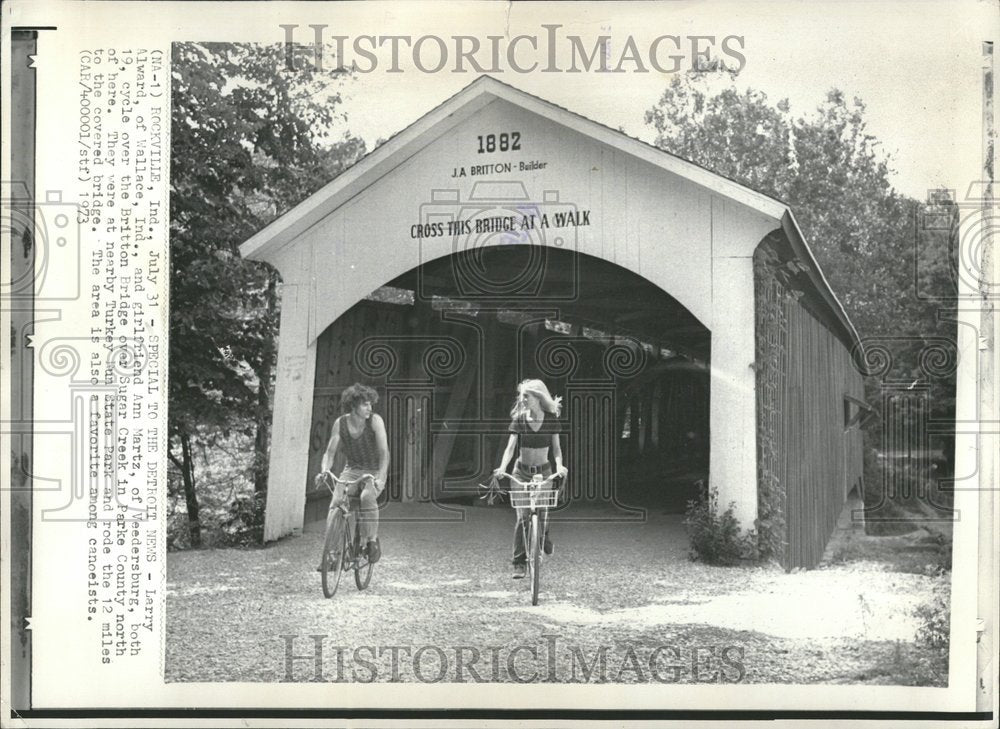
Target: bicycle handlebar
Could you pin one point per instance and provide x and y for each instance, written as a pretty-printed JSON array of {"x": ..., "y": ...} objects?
[
  {"x": 330, "y": 477},
  {"x": 530, "y": 484}
]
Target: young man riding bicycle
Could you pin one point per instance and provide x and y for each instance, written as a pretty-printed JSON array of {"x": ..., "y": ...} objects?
[{"x": 359, "y": 434}]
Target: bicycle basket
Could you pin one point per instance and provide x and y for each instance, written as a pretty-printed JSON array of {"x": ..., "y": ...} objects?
[{"x": 539, "y": 498}]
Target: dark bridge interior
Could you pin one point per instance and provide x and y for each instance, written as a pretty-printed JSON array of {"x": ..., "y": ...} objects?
[{"x": 447, "y": 342}]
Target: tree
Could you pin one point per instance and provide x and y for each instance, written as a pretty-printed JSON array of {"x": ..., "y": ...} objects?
[
  {"x": 250, "y": 139},
  {"x": 893, "y": 273},
  {"x": 827, "y": 168}
]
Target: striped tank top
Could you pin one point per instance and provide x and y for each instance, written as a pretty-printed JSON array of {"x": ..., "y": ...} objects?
[{"x": 362, "y": 451}]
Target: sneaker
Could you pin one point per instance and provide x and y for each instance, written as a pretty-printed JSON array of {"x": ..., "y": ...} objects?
[
  {"x": 548, "y": 546},
  {"x": 374, "y": 551},
  {"x": 520, "y": 568}
]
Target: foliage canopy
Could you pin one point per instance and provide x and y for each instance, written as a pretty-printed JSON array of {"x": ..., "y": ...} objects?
[{"x": 249, "y": 140}]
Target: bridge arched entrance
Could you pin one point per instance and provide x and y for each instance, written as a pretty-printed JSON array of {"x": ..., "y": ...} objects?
[{"x": 447, "y": 342}]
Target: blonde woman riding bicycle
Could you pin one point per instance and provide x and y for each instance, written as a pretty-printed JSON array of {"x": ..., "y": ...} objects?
[{"x": 534, "y": 432}]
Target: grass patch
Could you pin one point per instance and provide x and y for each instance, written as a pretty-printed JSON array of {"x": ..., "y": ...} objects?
[
  {"x": 906, "y": 664},
  {"x": 928, "y": 554}
]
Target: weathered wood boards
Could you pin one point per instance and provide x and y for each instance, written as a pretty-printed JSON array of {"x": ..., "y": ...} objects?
[{"x": 808, "y": 459}]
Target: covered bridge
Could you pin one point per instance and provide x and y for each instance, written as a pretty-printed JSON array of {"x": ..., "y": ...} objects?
[{"x": 680, "y": 314}]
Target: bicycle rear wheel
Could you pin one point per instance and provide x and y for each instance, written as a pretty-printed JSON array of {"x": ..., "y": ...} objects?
[
  {"x": 362, "y": 573},
  {"x": 535, "y": 557},
  {"x": 334, "y": 551}
]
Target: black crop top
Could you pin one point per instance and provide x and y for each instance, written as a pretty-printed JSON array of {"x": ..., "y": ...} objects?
[{"x": 531, "y": 438}]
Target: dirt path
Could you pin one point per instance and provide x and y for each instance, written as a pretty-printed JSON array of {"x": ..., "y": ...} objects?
[{"x": 443, "y": 590}]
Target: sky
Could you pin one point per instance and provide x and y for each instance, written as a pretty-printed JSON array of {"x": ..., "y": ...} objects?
[{"x": 916, "y": 66}]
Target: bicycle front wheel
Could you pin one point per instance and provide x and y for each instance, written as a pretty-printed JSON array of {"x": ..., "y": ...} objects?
[
  {"x": 535, "y": 557},
  {"x": 362, "y": 572},
  {"x": 334, "y": 551}
]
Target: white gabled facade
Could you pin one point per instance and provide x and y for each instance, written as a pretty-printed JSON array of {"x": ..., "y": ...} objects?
[{"x": 690, "y": 232}]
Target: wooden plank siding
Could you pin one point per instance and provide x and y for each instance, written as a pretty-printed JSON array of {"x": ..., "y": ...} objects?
[
  {"x": 807, "y": 462},
  {"x": 820, "y": 462}
]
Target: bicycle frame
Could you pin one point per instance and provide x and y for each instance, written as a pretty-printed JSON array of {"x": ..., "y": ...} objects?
[
  {"x": 536, "y": 501},
  {"x": 351, "y": 557},
  {"x": 332, "y": 481},
  {"x": 350, "y": 514}
]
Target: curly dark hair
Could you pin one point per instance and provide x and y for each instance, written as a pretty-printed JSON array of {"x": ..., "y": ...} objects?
[{"x": 356, "y": 394}]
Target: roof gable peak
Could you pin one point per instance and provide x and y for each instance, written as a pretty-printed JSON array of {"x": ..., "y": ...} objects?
[{"x": 472, "y": 98}]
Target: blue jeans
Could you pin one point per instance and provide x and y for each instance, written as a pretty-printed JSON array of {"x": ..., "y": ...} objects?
[
  {"x": 366, "y": 499},
  {"x": 524, "y": 515}
]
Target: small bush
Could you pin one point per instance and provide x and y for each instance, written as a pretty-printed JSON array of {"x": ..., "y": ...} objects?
[
  {"x": 244, "y": 523},
  {"x": 716, "y": 537},
  {"x": 935, "y": 616},
  {"x": 178, "y": 531}
]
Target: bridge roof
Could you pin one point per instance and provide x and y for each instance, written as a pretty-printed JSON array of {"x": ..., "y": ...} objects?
[{"x": 473, "y": 98}]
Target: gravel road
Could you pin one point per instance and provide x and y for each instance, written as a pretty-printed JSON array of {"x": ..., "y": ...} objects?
[{"x": 620, "y": 602}]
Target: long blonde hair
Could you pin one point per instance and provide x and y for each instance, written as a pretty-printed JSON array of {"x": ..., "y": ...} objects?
[{"x": 552, "y": 405}]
